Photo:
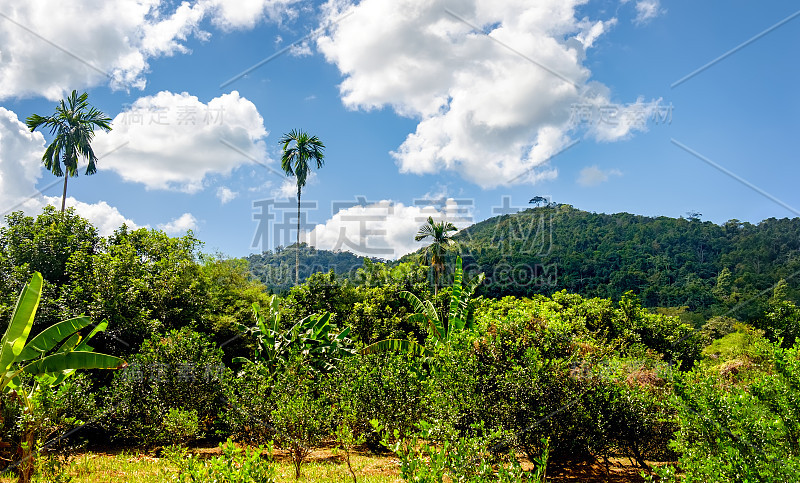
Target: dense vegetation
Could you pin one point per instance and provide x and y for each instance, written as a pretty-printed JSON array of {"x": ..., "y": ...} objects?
[{"x": 504, "y": 377}]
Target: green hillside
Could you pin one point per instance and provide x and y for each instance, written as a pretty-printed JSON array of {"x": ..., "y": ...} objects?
[
  {"x": 668, "y": 262},
  {"x": 275, "y": 269}
]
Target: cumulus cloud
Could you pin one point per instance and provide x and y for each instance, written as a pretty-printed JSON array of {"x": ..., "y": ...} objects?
[
  {"x": 246, "y": 14},
  {"x": 21, "y": 168},
  {"x": 608, "y": 122},
  {"x": 179, "y": 225},
  {"x": 175, "y": 142},
  {"x": 287, "y": 189},
  {"x": 101, "y": 215},
  {"x": 593, "y": 176},
  {"x": 20, "y": 163},
  {"x": 44, "y": 54},
  {"x": 490, "y": 109},
  {"x": 383, "y": 229},
  {"x": 226, "y": 194},
  {"x": 647, "y": 10}
]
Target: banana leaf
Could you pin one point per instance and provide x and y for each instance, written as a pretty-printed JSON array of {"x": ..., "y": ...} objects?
[
  {"x": 16, "y": 335},
  {"x": 46, "y": 340}
]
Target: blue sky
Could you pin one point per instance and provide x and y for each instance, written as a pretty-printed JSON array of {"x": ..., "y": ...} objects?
[{"x": 426, "y": 108}]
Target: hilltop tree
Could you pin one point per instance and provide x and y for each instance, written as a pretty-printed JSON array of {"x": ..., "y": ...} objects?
[
  {"x": 538, "y": 200},
  {"x": 73, "y": 126}
]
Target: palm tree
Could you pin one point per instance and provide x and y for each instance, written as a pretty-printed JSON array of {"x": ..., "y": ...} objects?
[
  {"x": 299, "y": 148},
  {"x": 73, "y": 126},
  {"x": 439, "y": 233}
]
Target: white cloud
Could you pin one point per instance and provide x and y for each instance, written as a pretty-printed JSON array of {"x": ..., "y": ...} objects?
[
  {"x": 50, "y": 46},
  {"x": 287, "y": 189},
  {"x": 484, "y": 111},
  {"x": 246, "y": 14},
  {"x": 613, "y": 122},
  {"x": 20, "y": 163},
  {"x": 21, "y": 168},
  {"x": 179, "y": 225},
  {"x": 226, "y": 195},
  {"x": 647, "y": 10},
  {"x": 383, "y": 229},
  {"x": 174, "y": 141},
  {"x": 593, "y": 176},
  {"x": 101, "y": 215},
  {"x": 303, "y": 49}
]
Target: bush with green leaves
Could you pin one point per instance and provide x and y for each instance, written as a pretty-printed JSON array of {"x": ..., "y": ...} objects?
[
  {"x": 436, "y": 454},
  {"x": 386, "y": 387},
  {"x": 301, "y": 418},
  {"x": 537, "y": 371},
  {"x": 181, "y": 427},
  {"x": 234, "y": 465},
  {"x": 745, "y": 428},
  {"x": 248, "y": 414},
  {"x": 179, "y": 370}
]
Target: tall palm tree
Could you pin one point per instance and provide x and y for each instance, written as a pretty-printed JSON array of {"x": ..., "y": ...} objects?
[
  {"x": 300, "y": 152},
  {"x": 439, "y": 233},
  {"x": 73, "y": 126}
]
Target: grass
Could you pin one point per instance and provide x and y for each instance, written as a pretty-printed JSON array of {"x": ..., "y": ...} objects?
[{"x": 141, "y": 467}]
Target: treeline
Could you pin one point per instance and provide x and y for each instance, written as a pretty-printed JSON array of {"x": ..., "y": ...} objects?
[{"x": 145, "y": 282}]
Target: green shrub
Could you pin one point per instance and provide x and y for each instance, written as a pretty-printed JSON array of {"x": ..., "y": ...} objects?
[
  {"x": 180, "y": 370},
  {"x": 387, "y": 387},
  {"x": 749, "y": 431},
  {"x": 300, "y": 419},
  {"x": 549, "y": 378},
  {"x": 234, "y": 465},
  {"x": 471, "y": 459},
  {"x": 181, "y": 426},
  {"x": 248, "y": 414}
]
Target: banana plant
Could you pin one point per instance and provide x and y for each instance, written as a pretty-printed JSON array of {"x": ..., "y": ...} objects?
[
  {"x": 53, "y": 354},
  {"x": 458, "y": 317},
  {"x": 314, "y": 337},
  {"x": 271, "y": 343},
  {"x": 50, "y": 357}
]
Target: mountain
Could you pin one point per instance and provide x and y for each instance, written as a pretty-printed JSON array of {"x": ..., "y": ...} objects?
[
  {"x": 276, "y": 268},
  {"x": 668, "y": 262}
]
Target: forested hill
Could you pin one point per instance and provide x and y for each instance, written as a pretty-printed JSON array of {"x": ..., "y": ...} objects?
[
  {"x": 276, "y": 268},
  {"x": 669, "y": 262}
]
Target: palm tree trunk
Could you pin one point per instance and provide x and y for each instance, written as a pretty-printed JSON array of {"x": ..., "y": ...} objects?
[
  {"x": 64, "y": 194},
  {"x": 297, "y": 247}
]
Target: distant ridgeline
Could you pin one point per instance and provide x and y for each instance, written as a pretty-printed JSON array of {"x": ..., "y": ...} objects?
[
  {"x": 668, "y": 262},
  {"x": 276, "y": 268}
]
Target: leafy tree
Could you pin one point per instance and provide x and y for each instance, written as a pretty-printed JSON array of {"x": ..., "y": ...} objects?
[
  {"x": 179, "y": 370},
  {"x": 300, "y": 152},
  {"x": 73, "y": 126},
  {"x": 439, "y": 233}
]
